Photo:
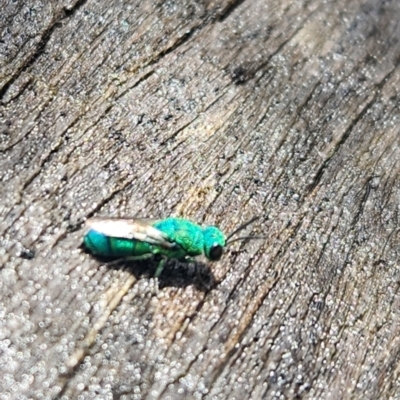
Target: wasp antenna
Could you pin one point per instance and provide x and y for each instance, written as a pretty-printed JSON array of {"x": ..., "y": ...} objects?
[
  {"x": 244, "y": 238},
  {"x": 241, "y": 227}
]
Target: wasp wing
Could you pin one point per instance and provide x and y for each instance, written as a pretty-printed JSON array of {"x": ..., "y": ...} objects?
[{"x": 138, "y": 229}]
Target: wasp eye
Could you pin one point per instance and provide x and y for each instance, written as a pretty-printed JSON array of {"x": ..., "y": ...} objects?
[{"x": 216, "y": 252}]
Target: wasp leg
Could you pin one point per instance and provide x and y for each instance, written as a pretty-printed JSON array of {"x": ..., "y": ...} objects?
[
  {"x": 139, "y": 258},
  {"x": 160, "y": 267},
  {"x": 130, "y": 258}
]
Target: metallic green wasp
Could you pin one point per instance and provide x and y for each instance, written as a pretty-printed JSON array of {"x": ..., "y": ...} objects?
[{"x": 171, "y": 238}]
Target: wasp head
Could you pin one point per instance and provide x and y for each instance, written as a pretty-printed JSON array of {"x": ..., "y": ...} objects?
[{"x": 214, "y": 243}]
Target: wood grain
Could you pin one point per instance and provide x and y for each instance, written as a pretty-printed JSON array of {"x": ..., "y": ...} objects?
[{"x": 215, "y": 111}]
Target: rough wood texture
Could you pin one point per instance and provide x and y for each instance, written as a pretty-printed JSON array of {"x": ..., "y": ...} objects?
[{"x": 216, "y": 111}]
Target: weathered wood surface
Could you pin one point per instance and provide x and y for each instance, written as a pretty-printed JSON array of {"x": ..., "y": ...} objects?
[{"x": 216, "y": 111}]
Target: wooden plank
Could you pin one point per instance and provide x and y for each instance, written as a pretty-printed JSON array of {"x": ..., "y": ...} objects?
[{"x": 215, "y": 112}]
